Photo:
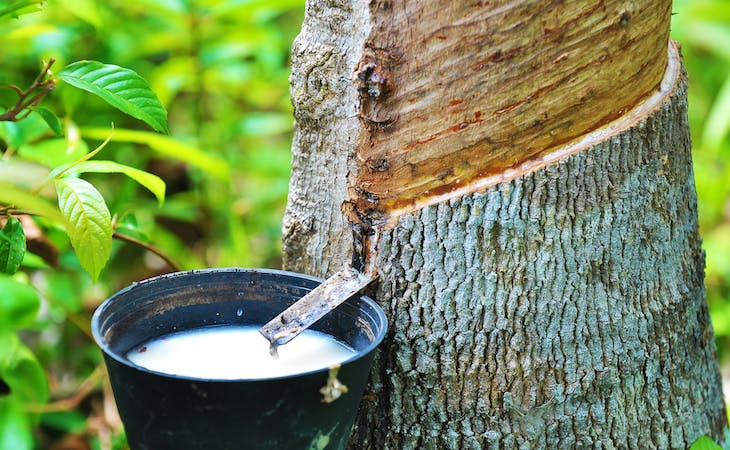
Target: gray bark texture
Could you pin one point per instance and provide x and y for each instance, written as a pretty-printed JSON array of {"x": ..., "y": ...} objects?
[
  {"x": 326, "y": 131},
  {"x": 562, "y": 309}
]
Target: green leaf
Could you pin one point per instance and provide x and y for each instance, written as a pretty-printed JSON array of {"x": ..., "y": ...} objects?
[
  {"x": 120, "y": 87},
  {"x": 12, "y": 246},
  {"x": 19, "y": 304},
  {"x": 146, "y": 179},
  {"x": 65, "y": 421},
  {"x": 27, "y": 130},
  {"x": 21, "y": 371},
  {"x": 27, "y": 201},
  {"x": 15, "y": 426},
  {"x": 33, "y": 261},
  {"x": 15, "y": 8},
  {"x": 704, "y": 443},
  {"x": 88, "y": 222},
  {"x": 51, "y": 120},
  {"x": 129, "y": 226},
  {"x": 166, "y": 146}
]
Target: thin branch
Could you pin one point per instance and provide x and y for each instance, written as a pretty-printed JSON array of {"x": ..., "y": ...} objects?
[
  {"x": 36, "y": 99},
  {"x": 37, "y": 91},
  {"x": 15, "y": 88},
  {"x": 41, "y": 76},
  {"x": 10, "y": 211},
  {"x": 60, "y": 170},
  {"x": 148, "y": 247},
  {"x": 75, "y": 399},
  {"x": 87, "y": 156},
  {"x": 24, "y": 115}
]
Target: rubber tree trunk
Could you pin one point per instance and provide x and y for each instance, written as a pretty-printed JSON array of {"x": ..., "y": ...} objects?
[{"x": 541, "y": 295}]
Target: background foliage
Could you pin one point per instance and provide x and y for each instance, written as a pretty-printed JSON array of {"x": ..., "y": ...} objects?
[
  {"x": 703, "y": 29},
  {"x": 220, "y": 68}
]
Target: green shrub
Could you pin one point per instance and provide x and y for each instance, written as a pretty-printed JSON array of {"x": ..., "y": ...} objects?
[{"x": 205, "y": 91}]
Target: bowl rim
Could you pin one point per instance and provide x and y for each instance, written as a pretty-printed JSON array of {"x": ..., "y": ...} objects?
[{"x": 380, "y": 323}]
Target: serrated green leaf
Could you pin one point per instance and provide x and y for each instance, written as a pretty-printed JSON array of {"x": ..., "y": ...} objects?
[
  {"x": 166, "y": 146},
  {"x": 19, "y": 304},
  {"x": 25, "y": 200},
  {"x": 51, "y": 120},
  {"x": 705, "y": 443},
  {"x": 146, "y": 179},
  {"x": 12, "y": 246},
  {"x": 88, "y": 222},
  {"x": 120, "y": 87}
]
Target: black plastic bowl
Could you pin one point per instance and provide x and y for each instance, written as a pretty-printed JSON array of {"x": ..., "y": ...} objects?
[{"x": 162, "y": 411}]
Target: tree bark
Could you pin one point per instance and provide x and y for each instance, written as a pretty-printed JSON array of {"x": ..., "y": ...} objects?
[
  {"x": 327, "y": 128},
  {"x": 559, "y": 304},
  {"x": 563, "y": 309}
]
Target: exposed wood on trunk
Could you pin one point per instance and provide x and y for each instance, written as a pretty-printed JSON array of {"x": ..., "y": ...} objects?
[{"x": 456, "y": 92}]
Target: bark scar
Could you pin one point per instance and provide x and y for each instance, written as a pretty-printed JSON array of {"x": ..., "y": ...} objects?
[{"x": 373, "y": 79}]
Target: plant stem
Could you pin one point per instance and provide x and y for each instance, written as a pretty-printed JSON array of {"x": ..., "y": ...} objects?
[
  {"x": 60, "y": 170},
  {"x": 6, "y": 10},
  {"x": 32, "y": 96},
  {"x": 173, "y": 265},
  {"x": 73, "y": 401}
]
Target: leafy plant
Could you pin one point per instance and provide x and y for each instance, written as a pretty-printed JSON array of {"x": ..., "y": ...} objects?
[
  {"x": 81, "y": 213},
  {"x": 704, "y": 443},
  {"x": 87, "y": 220},
  {"x": 119, "y": 87},
  {"x": 75, "y": 191}
]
